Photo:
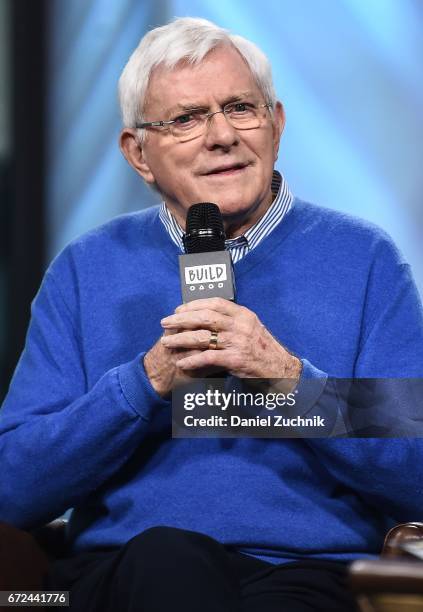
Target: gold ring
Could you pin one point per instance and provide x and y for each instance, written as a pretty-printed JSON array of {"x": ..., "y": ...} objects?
[{"x": 213, "y": 340}]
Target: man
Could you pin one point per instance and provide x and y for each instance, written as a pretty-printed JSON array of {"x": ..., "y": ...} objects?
[{"x": 208, "y": 524}]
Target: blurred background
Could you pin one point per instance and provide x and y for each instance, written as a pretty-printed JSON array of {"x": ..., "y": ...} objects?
[{"x": 349, "y": 73}]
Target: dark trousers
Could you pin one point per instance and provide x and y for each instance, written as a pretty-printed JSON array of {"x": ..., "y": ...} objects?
[{"x": 165, "y": 569}]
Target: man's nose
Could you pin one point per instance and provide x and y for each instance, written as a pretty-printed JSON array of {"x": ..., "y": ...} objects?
[{"x": 220, "y": 132}]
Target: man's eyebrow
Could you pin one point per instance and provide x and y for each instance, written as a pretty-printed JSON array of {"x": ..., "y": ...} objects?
[{"x": 187, "y": 106}]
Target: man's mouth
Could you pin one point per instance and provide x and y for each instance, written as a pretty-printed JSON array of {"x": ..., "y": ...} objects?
[{"x": 226, "y": 169}]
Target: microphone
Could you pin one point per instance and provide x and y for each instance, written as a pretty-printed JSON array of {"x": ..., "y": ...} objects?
[{"x": 206, "y": 270}]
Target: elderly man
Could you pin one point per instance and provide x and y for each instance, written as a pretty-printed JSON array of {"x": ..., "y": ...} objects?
[{"x": 208, "y": 524}]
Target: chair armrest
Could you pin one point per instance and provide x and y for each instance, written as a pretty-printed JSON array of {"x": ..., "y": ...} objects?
[
  {"x": 400, "y": 535},
  {"x": 386, "y": 576},
  {"x": 393, "y": 583}
]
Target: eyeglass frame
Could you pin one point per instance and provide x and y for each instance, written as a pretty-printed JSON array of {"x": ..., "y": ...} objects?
[{"x": 147, "y": 124}]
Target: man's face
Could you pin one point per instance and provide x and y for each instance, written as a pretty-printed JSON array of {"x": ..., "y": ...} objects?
[{"x": 230, "y": 167}]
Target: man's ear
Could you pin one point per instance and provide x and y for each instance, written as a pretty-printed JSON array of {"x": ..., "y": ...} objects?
[
  {"x": 278, "y": 126},
  {"x": 134, "y": 153}
]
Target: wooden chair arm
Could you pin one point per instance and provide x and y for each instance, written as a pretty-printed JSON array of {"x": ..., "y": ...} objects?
[
  {"x": 393, "y": 583},
  {"x": 387, "y": 576},
  {"x": 400, "y": 535}
]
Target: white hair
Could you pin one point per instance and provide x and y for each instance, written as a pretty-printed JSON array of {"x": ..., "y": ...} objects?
[{"x": 186, "y": 39}]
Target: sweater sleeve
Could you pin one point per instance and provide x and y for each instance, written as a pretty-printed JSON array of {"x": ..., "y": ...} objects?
[
  {"x": 59, "y": 440},
  {"x": 386, "y": 472}
]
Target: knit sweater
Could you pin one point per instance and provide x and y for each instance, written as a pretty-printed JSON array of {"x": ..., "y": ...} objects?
[{"x": 82, "y": 426}]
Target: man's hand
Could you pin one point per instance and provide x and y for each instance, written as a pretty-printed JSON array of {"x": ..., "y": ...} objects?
[
  {"x": 162, "y": 371},
  {"x": 245, "y": 348}
]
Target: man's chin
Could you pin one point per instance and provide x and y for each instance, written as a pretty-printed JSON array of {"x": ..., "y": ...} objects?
[
  {"x": 234, "y": 211},
  {"x": 232, "y": 206},
  {"x": 237, "y": 218}
]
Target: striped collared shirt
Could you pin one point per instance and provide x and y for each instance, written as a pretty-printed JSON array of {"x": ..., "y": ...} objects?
[{"x": 241, "y": 245}]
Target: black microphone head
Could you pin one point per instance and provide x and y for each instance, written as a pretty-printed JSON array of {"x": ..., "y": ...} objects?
[{"x": 204, "y": 229}]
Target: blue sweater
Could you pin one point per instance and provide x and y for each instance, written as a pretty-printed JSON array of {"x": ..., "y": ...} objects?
[{"x": 82, "y": 427}]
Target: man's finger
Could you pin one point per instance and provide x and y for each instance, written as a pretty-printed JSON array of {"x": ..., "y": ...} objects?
[
  {"x": 198, "y": 319},
  {"x": 199, "y": 339},
  {"x": 218, "y": 304},
  {"x": 204, "y": 359}
]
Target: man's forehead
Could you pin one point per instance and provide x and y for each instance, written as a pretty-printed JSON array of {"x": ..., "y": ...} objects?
[
  {"x": 202, "y": 101},
  {"x": 222, "y": 74}
]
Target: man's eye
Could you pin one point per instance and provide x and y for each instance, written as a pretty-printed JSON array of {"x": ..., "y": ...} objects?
[
  {"x": 240, "y": 107},
  {"x": 240, "y": 110},
  {"x": 183, "y": 119}
]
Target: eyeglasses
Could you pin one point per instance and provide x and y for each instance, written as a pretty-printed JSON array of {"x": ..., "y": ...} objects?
[{"x": 193, "y": 122}]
